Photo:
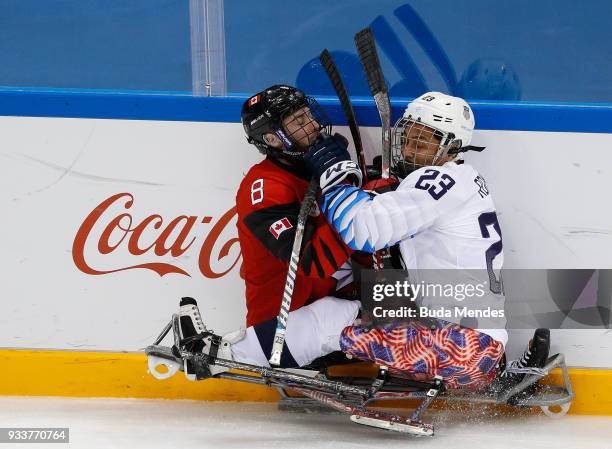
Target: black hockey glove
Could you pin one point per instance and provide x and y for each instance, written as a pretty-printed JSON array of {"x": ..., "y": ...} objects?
[
  {"x": 329, "y": 160},
  {"x": 326, "y": 152}
]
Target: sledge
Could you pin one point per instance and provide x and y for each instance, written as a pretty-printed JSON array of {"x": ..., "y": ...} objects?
[{"x": 353, "y": 396}]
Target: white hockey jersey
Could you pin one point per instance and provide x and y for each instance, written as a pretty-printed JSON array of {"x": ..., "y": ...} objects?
[{"x": 442, "y": 217}]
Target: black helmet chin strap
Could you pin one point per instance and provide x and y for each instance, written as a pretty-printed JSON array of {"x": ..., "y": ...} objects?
[
  {"x": 287, "y": 143},
  {"x": 289, "y": 151},
  {"x": 466, "y": 149}
]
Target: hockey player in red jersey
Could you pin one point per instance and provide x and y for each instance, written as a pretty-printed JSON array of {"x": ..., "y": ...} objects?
[{"x": 282, "y": 122}]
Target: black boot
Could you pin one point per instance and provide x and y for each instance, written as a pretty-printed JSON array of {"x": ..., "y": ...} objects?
[
  {"x": 535, "y": 356},
  {"x": 197, "y": 339},
  {"x": 191, "y": 325}
]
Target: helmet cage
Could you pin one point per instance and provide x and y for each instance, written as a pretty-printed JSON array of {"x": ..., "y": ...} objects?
[
  {"x": 300, "y": 126},
  {"x": 421, "y": 139},
  {"x": 295, "y": 119}
]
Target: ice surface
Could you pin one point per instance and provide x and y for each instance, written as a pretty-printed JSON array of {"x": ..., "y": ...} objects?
[{"x": 145, "y": 423}]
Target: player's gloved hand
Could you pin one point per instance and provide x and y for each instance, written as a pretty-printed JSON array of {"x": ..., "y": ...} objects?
[
  {"x": 340, "y": 172},
  {"x": 325, "y": 152},
  {"x": 329, "y": 160}
]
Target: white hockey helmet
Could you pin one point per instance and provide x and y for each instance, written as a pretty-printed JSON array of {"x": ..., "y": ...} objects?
[{"x": 434, "y": 125}]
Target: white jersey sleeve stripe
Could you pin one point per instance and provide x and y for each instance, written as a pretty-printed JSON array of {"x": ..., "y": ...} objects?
[
  {"x": 371, "y": 223},
  {"x": 339, "y": 206}
]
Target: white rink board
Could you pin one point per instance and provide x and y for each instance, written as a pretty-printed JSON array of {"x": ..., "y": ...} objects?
[{"x": 550, "y": 190}]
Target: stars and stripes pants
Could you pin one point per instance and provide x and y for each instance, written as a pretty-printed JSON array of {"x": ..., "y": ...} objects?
[{"x": 465, "y": 358}]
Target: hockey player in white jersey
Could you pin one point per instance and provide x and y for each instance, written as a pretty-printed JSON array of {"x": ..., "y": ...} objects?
[{"x": 442, "y": 217}]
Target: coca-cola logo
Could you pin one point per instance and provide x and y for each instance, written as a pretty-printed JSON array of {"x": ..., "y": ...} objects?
[{"x": 111, "y": 229}]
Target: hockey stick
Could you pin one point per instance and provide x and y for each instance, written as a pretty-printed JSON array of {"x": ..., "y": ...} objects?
[
  {"x": 283, "y": 314},
  {"x": 334, "y": 76},
  {"x": 366, "y": 47}
]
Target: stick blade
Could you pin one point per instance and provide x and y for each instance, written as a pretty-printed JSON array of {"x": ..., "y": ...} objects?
[
  {"x": 327, "y": 62},
  {"x": 331, "y": 69},
  {"x": 366, "y": 47}
]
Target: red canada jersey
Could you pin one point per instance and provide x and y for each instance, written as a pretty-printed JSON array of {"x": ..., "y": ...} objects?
[{"x": 268, "y": 202}]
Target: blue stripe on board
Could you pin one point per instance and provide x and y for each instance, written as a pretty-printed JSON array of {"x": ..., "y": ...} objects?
[{"x": 513, "y": 116}]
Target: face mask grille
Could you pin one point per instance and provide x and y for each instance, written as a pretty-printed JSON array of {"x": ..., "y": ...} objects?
[
  {"x": 302, "y": 126},
  {"x": 415, "y": 145}
]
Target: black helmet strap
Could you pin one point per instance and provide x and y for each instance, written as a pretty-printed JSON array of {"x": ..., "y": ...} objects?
[{"x": 466, "y": 149}]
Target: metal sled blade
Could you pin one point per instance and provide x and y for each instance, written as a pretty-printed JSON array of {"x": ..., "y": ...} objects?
[
  {"x": 405, "y": 426},
  {"x": 545, "y": 394},
  {"x": 528, "y": 393}
]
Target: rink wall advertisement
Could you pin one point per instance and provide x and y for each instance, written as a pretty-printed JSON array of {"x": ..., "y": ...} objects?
[{"x": 107, "y": 223}]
